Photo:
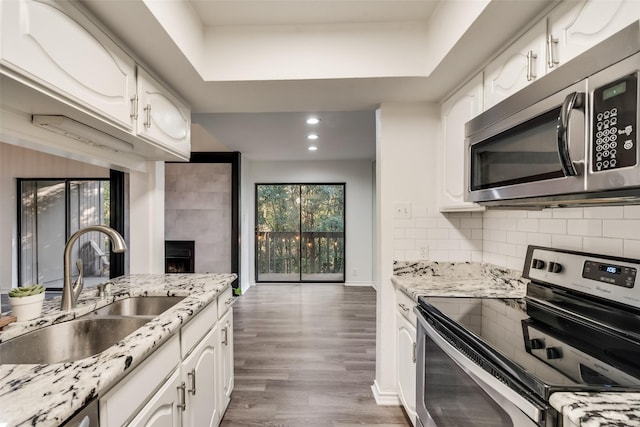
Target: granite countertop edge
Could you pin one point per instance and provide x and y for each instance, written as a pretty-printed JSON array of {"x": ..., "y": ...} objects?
[
  {"x": 48, "y": 394},
  {"x": 481, "y": 280}
]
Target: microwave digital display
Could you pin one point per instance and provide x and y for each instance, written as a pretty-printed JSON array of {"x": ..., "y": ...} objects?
[{"x": 615, "y": 90}]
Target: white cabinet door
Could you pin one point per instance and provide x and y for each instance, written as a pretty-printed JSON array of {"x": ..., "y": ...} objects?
[
  {"x": 163, "y": 409},
  {"x": 407, "y": 365},
  {"x": 60, "y": 50},
  {"x": 575, "y": 26},
  {"x": 201, "y": 382},
  {"x": 456, "y": 111},
  {"x": 162, "y": 118},
  {"x": 519, "y": 65},
  {"x": 225, "y": 326}
]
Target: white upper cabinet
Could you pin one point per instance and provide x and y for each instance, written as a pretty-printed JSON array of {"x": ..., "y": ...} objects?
[
  {"x": 575, "y": 26},
  {"x": 62, "y": 51},
  {"x": 456, "y": 111},
  {"x": 519, "y": 65},
  {"x": 161, "y": 117}
]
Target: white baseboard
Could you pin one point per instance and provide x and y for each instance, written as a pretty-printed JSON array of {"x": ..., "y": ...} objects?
[
  {"x": 358, "y": 284},
  {"x": 385, "y": 398}
]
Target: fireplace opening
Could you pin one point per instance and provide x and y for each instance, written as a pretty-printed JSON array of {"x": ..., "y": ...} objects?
[{"x": 179, "y": 256}]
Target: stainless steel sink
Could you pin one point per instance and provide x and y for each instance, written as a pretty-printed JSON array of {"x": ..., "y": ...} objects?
[
  {"x": 69, "y": 341},
  {"x": 138, "y": 306}
]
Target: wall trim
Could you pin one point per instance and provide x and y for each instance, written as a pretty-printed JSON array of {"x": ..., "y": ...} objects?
[
  {"x": 359, "y": 284},
  {"x": 385, "y": 398}
]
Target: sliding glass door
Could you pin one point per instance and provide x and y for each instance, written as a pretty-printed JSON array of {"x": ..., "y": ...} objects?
[{"x": 300, "y": 232}]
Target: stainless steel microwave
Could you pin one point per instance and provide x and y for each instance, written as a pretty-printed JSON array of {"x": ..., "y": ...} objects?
[{"x": 570, "y": 138}]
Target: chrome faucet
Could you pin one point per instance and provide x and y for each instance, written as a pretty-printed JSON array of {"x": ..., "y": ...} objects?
[{"x": 70, "y": 292}]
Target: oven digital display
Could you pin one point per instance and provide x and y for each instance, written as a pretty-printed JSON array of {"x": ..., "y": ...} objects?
[
  {"x": 612, "y": 91},
  {"x": 617, "y": 275}
]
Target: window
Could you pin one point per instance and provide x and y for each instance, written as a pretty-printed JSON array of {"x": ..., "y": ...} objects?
[{"x": 49, "y": 212}]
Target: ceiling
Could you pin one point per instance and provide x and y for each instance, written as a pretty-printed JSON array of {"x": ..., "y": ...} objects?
[{"x": 252, "y": 70}]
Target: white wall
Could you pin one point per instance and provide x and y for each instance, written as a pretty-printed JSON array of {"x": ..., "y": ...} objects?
[
  {"x": 19, "y": 162},
  {"x": 406, "y": 146},
  {"x": 359, "y": 195}
]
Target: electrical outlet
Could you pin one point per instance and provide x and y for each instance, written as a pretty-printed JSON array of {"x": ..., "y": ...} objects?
[
  {"x": 424, "y": 253},
  {"x": 354, "y": 272},
  {"x": 402, "y": 210}
]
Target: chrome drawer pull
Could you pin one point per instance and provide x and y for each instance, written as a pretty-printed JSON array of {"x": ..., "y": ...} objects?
[
  {"x": 182, "y": 399},
  {"x": 192, "y": 376},
  {"x": 404, "y": 307}
]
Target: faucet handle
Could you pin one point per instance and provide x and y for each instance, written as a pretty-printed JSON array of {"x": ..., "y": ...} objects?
[{"x": 104, "y": 289}]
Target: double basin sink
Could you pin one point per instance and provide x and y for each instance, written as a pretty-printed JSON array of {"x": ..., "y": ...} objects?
[{"x": 85, "y": 336}]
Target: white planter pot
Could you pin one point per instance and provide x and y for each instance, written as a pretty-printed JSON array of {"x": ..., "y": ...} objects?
[{"x": 26, "y": 308}]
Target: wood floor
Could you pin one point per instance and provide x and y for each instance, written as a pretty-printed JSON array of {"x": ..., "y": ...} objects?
[{"x": 305, "y": 356}]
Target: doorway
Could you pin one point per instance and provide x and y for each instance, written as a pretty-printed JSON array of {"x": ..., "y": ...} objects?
[{"x": 300, "y": 232}]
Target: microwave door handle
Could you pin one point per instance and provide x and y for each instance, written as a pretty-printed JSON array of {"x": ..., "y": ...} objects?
[{"x": 572, "y": 101}]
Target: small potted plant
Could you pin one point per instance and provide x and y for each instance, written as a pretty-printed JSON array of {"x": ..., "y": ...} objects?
[{"x": 26, "y": 302}]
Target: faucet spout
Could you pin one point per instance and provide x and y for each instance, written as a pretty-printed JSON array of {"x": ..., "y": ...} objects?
[{"x": 71, "y": 291}]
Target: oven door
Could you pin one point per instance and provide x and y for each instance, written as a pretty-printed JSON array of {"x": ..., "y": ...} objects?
[{"x": 453, "y": 391}]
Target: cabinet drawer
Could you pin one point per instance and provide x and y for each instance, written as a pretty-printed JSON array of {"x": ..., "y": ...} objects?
[
  {"x": 123, "y": 401},
  {"x": 197, "y": 328},
  {"x": 225, "y": 300},
  {"x": 405, "y": 304}
]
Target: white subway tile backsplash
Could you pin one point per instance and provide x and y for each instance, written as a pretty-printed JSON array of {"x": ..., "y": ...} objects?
[
  {"x": 471, "y": 223},
  {"x": 553, "y": 226},
  {"x": 516, "y": 214},
  {"x": 476, "y": 234},
  {"x": 601, "y": 245},
  {"x": 567, "y": 242},
  {"x": 544, "y": 213},
  {"x": 631, "y": 249},
  {"x": 403, "y": 223},
  {"x": 528, "y": 224},
  {"x": 568, "y": 213},
  {"x": 438, "y": 234},
  {"x": 632, "y": 212},
  {"x": 398, "y": 233},
  {"x": 539, "y": 239},
  {"x": 404, "y": 244},
  {"x": 621, "y": 228},
  {"x": 585, "y": 227},
  {"x": 426, "y": 222},
  {"x": 604, "y": 212},
  {"x": 417, "y": 233},
  {"x": 517, "y": 237}
]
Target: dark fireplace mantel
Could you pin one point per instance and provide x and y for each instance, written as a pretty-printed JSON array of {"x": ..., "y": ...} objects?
[{"x": 179, "y": 256}]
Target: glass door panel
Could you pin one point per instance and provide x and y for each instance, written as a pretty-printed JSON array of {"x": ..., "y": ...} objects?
[
  {"x": 277, "y": 233},
  {"x": 322, "y": 231}
]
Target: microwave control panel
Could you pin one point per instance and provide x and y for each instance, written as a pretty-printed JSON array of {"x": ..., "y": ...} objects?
[{"x": 615, "y": 135}]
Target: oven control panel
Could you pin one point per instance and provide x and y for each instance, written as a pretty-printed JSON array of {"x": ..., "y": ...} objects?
[{"x": 604, "y": 276}]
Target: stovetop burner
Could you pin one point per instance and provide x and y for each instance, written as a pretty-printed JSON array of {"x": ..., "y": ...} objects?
[{"x": 577, "y": 328}]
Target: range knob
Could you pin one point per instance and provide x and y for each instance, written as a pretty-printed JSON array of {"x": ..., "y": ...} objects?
[
  {"x": 555, "y": 267},
  {"x": 538, "y": 264},
  {"x": 536, "y": 343},
  {"x": 554, "y": 353}
]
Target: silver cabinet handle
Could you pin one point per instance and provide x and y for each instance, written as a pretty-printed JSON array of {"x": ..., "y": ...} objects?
[
  {"x": 182, "y": 399},
  {"x": 225, "y": 341},
  {"x": 403, "y": 307},
  {"x": 531, "y": 60},
  {"x": 192, "y": 377},
  {"x": 229, "y": 301},
  {"x": 415, "y": 352},
  {"x": 551, "y": 60},
  {"x": 134, "y": 107},
  {"x": 147, "y": 112}
]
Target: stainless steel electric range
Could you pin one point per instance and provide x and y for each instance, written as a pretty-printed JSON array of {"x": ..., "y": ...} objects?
[{"x": 496, "y": 362}]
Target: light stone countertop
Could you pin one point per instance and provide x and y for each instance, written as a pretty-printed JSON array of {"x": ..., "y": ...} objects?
[
  {"x": 47, "y": 395},
  {"x": 479, "y": 280}
]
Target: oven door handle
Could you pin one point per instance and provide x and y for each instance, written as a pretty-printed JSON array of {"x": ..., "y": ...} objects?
[
  {"x": 572, "y": 101},
  {"x": 498, "y": 391}
]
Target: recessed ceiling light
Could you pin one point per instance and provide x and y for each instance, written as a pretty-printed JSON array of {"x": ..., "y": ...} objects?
[
  {"x": 312, "y": 136},
  {"x": 313, "y": 121},
  {"x": 313, "y": 148}
]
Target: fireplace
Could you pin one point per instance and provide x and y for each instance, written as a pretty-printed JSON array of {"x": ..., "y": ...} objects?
[{"x": 179, "y": 256}]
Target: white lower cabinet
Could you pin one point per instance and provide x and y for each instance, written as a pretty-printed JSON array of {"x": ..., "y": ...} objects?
[
  {"x": 187, "y": 382},
  {"x": 163, "y": 409},
  {"x": 201, "y": 384},
  {"x": 226, "y": 359},
  {"x": 406, "y": 353}
]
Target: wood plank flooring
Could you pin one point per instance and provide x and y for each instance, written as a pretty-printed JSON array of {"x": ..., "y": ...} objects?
[{"x": 305, "y": 356}]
